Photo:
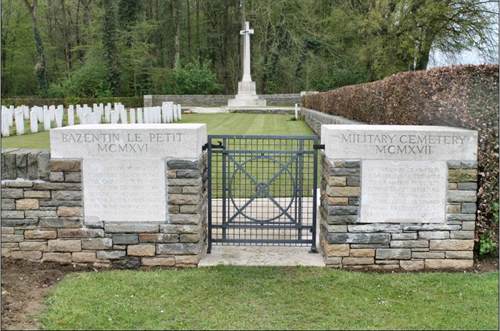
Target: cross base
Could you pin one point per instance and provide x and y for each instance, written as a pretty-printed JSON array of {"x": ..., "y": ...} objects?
[{"x": 247, "y": 96}]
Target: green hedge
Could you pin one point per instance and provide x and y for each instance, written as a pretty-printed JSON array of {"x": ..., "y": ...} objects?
[
  {"x": 37, "y": 101},
  {"x": 461, "y": 96}
]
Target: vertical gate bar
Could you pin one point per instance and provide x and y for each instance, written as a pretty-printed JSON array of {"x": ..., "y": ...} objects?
[
  {"x": 315, "y": 193},
  {"x": 209, "y": 189},
  {"x": 224, "y": 158},
  {"x": 296, "y": 184},
  {"x": 301, "y": 186}
]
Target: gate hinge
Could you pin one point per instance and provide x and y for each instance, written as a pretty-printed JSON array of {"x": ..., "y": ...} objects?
[
  {"x": 205, "y": 147},
  {"x": 319, "y": 146}
]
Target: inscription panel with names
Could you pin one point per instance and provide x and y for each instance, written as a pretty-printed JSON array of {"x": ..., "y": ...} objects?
[
  {"x": 403, "y": 191},
  {"x": 125, "y": 190}
]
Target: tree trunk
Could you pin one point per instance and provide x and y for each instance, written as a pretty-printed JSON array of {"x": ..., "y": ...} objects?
[
  {"x": 109, "y": 43},
  {"x": 423, "y": 54},
  {"x": 188, "y": 13},
  {"x": 225, "y": 51},
  {"x": 40, "y": 66},
  {"x": 198, "y": 43},
  {"x": 77, "y": 33},
  {"x": 67, "y": 42},
  {"x": 177, "y": 45},
  {"x": 6, "y": 11}
]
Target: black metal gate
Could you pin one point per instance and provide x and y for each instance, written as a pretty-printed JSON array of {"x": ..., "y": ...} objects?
[{"x": 262, "y": 190}]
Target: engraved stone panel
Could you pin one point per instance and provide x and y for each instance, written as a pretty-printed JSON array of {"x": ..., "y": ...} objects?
[
  {"x": 123, "y": 190},
  {"x": 403, "y": 191},
  {"x": 123, "y": 166}
]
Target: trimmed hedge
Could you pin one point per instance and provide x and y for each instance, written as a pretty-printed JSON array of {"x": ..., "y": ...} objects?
[
  {"x": 462, "y": 96},
  {"x": 37, "y": 101}
]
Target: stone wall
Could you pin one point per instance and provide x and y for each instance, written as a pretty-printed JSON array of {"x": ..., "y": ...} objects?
[
  {"x": 25, "y": 163},
  {"x": 42, "y": 218},
  {"x": 315, "y": 119},
  {"x": 218, "y": 100},
  {"x": 348, "y": 243}
]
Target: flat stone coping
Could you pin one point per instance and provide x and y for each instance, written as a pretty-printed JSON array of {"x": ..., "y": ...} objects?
[
  {"x": 391, "y": 127},
  {"x": 129, "y": 141},
  {"x": 270, "y": 108},
  {"x": 269, "y": 256},
  {"x": 398, "y": 142},
  {"x": 205, "y": 110},
  {"x": 135, "y": 126}
]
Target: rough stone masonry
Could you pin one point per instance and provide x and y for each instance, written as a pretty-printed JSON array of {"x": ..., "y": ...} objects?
[{"x": 387, "y": 206}]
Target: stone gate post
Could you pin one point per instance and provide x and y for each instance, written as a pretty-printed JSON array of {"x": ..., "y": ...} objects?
[
  {"x": 116, "y": 195},
  {"x": 398, "y": 197}
]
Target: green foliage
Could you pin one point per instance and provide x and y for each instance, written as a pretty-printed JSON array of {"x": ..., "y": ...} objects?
[
  {"x": 487, "y": 244},
  {"x": 192, "y": 79},
  {"x": 88, "y": 81},
  {"x": 297, "y": 45},
  {"x": 72, "y": 100},
  {"x": 495, "y": 212}
]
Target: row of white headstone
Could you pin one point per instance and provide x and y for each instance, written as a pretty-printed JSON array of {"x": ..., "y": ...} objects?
[{"x": 99, "y": 113}]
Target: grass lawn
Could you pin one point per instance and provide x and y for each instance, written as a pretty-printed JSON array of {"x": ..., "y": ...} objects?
[
  {"x": 272, "y": 298},
  {"x": 236, "y": 123}
]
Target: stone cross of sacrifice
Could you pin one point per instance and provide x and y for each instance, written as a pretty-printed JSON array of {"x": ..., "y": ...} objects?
[{"x": 246, "y": 52}]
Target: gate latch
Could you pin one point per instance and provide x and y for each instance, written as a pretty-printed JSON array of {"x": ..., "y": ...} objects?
[{"x": 319, "y": 146}]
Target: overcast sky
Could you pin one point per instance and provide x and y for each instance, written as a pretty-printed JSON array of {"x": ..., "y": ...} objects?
[{"x": 439, "y": 59}]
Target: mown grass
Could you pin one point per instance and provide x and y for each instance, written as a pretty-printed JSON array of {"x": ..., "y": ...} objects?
[
  {"x": 272, "y": 298},
  {"x": 236, "y": 123}
]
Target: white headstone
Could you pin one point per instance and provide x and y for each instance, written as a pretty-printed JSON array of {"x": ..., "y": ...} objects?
[
  {"x": 26, "y": 112},
  {"x": 175, "y": 113},
  {"x": 179, "y": 115},
  {"x": 39, "y": 113},
  {"x": 52, "y": 111},
  {"x": 132, "y": 115},
  {"x": 99, "y": 113},
  {"x": 164, "y": 112},
  {"x": 170, "y": 112},
  {"x": 33, "y": 121},
  {"x": 403, "y": 168},
  {"x": 11, "y": 116},
  {"x": 5, "y": 122},
  {"x": 123, "y": 166},
  {"x": 71, "y": 115},
  {"x": 157, "y": 114},
  {"x": 296, "y": 111},
  {"x": 107, "y": 114},
  {"x": 139, "y": 116},
  {"x": 19, "y": 118},
  {"x": 46, "y": 120},
  {"x": 59, "y": 112},
  {"x": 123, "y": 116},
  {"x": 114, "y": 116}
]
